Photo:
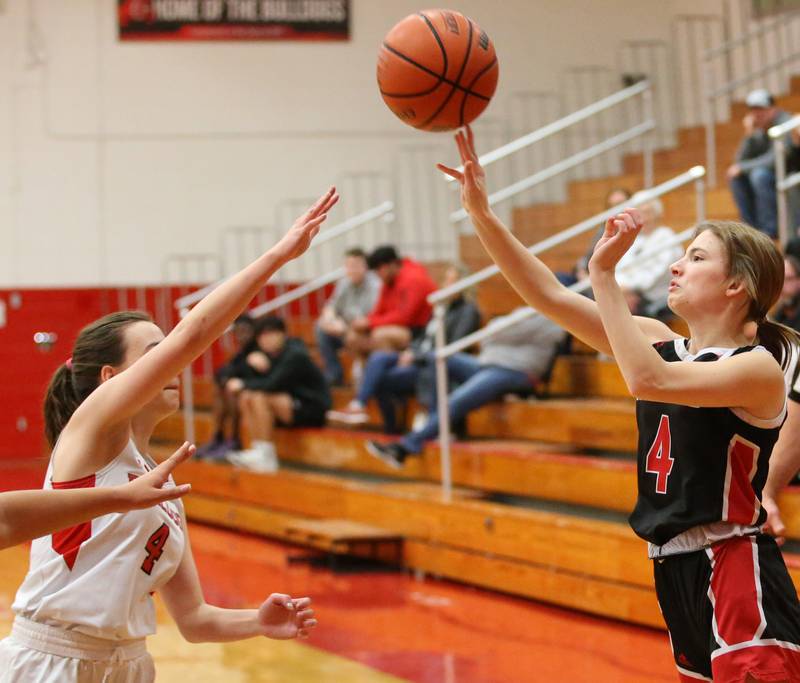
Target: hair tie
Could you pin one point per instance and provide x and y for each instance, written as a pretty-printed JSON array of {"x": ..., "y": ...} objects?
[{"x": 68, "y": 363}]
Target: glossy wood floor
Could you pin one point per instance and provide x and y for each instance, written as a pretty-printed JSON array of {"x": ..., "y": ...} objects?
[{"x": 384, "y": 627}]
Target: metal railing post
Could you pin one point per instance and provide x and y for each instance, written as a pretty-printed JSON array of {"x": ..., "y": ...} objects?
[
  {"x": 700, "y": 198},
  {"x": 648, "y": 141},
  {"x": 442, "y": 405},
  {"x": 783, "y": 199},
  {"x": 711, "y": 125},
  {"x": 188, "y": 396},
  {"x": 778, "y": 134}
]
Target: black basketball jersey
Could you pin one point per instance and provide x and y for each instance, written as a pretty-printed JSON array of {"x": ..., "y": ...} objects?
[{"x": 699, "y": 465}]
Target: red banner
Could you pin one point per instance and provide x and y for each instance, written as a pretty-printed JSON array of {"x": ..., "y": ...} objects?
[{"x": 151, "y": 20}]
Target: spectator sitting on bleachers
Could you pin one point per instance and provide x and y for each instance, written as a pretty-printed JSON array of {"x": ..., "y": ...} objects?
[
  {"x": 391, "y": 377},
  {"x": 226, "y": 401},
  {"x": 353, "y": 298},
  {"x": 614, "y": 197},
  {"x": 512, "y": 361},
  {"x": 645, "y": 284},
  {"x": 752, "y": 176},
  {"x": 402, "y": 311},
  {"x": 285, "y": 388}
]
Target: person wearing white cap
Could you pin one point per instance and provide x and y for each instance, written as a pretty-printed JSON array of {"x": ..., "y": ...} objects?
[{"x": 752, "y": 176}]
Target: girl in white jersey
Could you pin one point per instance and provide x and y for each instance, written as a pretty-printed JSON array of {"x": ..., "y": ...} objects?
[
  {"x": 85, "y": 607},
  {"x": 724, "y": 591}
]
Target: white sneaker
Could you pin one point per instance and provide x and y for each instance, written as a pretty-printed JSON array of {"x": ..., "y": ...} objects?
[
  {"x": 255, "y": 460},
  {"x": 353, "y": 414}
]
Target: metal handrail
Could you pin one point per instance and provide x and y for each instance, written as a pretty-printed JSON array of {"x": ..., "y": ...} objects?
[
  {"x": 512, "y": 319},
  {"x": 187, "y": 301},
  {"x": 440, "y": 295},
  {"x": 783, "y": 183},
  {"x": 711, "y": 94},
  {"x": 382, "y": 209},
  {"x": 744, "y": 37},
  {"x": 732, "y": 85},
  {"x": 297, "y": 293},
  {"x": 696, "y": 175},
  {"x": 562, "y": 166},
  {"x": 559, "y": 125}
]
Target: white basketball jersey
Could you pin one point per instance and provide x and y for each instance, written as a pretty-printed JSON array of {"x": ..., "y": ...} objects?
[{"x": 97, "y": 577}]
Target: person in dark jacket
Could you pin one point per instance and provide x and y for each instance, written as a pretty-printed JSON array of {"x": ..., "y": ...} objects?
[
  {"x": 752, "y": 176},
  {"x": 391, "y": 377},
  {"x": 285, "y": 388},
  {"x": 226, "y": 402}
]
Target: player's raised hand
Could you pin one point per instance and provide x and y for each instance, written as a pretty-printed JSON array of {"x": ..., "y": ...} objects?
[
  {"x": 474, "y": 196},
  {"x": 149, "y": 489},
  {"x": 282, "y": 617},
  {"x": 620, "y": 232},
  {"x": 297, "y": 240}
]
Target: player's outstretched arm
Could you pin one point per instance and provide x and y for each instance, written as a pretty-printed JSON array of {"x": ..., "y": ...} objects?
[
  {"x": 532, "y": 280},
  {"x": 25, "y": 515},
  {"x": 752, "y": 381},
  {"x": 280, "y": 616},
  {"x": 117, "y": 400}
]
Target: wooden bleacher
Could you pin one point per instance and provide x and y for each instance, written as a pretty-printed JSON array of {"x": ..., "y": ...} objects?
[{"x": 542, "y": 488}]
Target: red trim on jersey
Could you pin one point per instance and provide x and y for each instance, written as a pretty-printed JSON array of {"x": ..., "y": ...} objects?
[
  {"x": 67, "y": 542},
  {"x": 82, "y": 483},
  {"x": 741, "y": 505},
  {"x": 764, "y": 662},
  {"x": 736, "y": 589}
]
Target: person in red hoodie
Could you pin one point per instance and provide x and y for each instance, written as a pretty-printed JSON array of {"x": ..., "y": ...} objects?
[{"x": 402, "y": 310}]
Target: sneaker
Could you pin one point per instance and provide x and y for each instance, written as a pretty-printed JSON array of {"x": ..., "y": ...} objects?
[
  {"x": 254, "y": 459},
  {"x": 351, "y": 415},
  {"x": 216, "y": 450},
  {"x": 392, "y": 454}
]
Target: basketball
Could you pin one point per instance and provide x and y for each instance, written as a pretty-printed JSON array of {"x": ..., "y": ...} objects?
[{"x": 437, "y": 70}]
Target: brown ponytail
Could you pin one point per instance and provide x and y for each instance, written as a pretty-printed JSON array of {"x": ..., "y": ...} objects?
[
  {"x": 99, "y": 343},
  {"x": 778, "y": 340}
]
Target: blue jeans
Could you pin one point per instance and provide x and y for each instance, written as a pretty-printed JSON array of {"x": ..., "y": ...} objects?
[
  {"x": 756, "y": 197},
  {"x": 329, "y": 346},
  {"x": 390, "y": 384},
  {"x": 478, "y": 385}
]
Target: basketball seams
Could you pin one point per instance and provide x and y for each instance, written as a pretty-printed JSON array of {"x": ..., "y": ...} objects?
[
  {"x": 457, "y": 83},
  {"x": 430, "y": 72},
  {"x": 478, "y": 76},
  {"x": 446, "y": 63}
]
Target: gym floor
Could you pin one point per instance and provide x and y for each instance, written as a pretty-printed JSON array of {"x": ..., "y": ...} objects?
[{"x": 384, "y": 627}]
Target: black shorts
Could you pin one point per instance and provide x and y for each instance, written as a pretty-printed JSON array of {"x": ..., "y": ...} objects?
[
  {"x": 306, "y": 414},
  {"x": 731, "y": 610}
]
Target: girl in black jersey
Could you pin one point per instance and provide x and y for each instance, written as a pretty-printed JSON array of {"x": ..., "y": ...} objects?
[{"x": 709, "y": 410}]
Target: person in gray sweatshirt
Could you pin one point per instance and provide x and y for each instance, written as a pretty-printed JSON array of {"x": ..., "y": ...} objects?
[{"x": 510, "y": 362}]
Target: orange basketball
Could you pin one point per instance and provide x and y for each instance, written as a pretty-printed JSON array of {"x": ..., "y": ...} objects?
[{"x": 437, "y": 70}]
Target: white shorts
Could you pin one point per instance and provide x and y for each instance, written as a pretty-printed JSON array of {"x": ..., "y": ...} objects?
[{"x": 46, "y": 654}]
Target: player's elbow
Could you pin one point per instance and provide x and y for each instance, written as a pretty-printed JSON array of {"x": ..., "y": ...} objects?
[
  {"x": 191, "y": 634},
  {"x": 645, "y": 385}
]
